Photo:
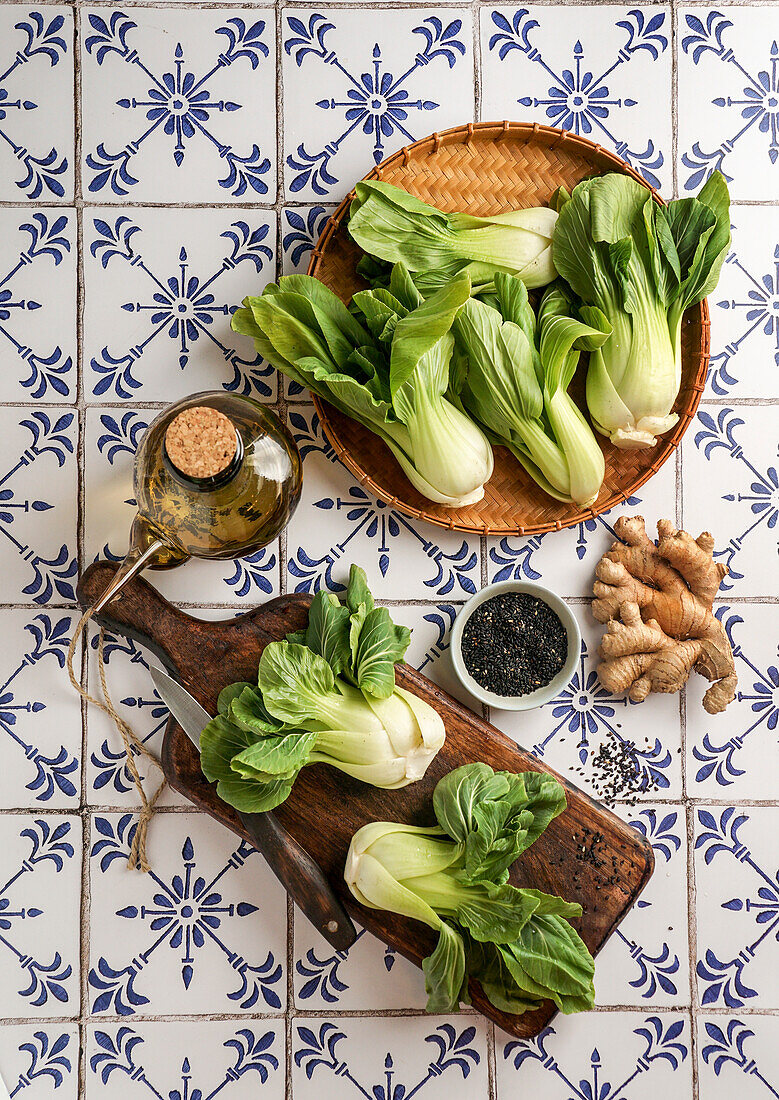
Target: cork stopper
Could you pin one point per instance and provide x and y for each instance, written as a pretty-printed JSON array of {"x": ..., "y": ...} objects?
[{"x": 201, "y": 442}]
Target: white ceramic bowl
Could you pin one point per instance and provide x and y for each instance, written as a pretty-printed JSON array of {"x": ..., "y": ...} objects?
[{"x": 533, "y": 698}]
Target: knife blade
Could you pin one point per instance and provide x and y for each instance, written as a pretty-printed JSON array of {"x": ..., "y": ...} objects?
[{"x": 295, "y": 869}]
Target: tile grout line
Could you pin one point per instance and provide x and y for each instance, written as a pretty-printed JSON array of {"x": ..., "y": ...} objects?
[
  {"x": 85, "y": 817},
  {"x": 692, "y": 932}
]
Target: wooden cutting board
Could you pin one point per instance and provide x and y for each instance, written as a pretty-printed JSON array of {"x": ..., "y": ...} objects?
[{"x": 326, "y": 807}]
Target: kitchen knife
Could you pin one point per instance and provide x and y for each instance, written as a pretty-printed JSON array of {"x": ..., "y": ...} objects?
[{"x": 298, "y": 873}]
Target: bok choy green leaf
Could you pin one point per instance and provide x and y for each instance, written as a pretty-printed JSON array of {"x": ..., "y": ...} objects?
[
  {"x": 326, "y": 694},
  {"x": 389, "y": 223},
  {"x": 390, "y": 373},
  {"x": 513, "y": 375},
  {"x": 517, "y": 943},
  {"x": 640, "y": 266}
]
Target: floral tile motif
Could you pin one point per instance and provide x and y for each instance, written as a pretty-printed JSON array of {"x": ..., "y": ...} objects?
[
  {"x": 180, "y": 105},
  {"x": 40, "y": 714},
  {"x": 413, "y": 561},
  {"x": 40, "y": 887},
  {"x": 301, "y": 228},
  {"x": 603, "y": 72},
  {"x": 738, "y": 1054},
  {"x": 428, "y": 1057},
  {"x": 568, "y": 732},
  {"x": 366, "y": 974},
  {"x": 38, "y": 505},
  {"x": 745, "y": 309},
  {"x": 39, "y": 1060},
  {"x": 111, "y": 440},
  {"x": 566, "y": 559},
  {"x": 737, "y": 887},
  {"x": 161, "y": 287},
  {"x": 643, "y": 1056},
  {"x": 204, "y": 931},
  {"x": 38, "y": 304},
  {"x": 729, "y": 99},
  {"x": 734, "y": 451},
  {"x": 646, "y": 960},
  {"x": 186, "y": 1061},
  {"x": 356, "y": 89},
  {"x": 727, "y": 754},
  {"x": 36, "y": 103}
]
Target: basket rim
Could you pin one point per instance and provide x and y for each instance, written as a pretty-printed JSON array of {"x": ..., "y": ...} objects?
[{"x": 554, "y": 138}]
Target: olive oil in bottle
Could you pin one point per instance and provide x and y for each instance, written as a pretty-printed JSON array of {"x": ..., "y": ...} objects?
[{"x": 217, "y": 476}]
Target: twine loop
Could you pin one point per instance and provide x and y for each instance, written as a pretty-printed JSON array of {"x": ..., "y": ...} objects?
[{"x": 132, "y": 743}]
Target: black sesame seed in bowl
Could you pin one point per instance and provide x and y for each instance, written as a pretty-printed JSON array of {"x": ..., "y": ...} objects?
[{"x": 515, "y": 645}]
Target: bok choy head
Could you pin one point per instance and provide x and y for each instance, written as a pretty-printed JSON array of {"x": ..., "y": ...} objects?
[
  {"x": 513, "y": 375},
  {"x": 325, "y": 695},
  {"x": 517, "y": 943},
  {"x": 389, "y": 223},
  {"x": 389, "y": 370},
  {"x": 640, "y": 265}
]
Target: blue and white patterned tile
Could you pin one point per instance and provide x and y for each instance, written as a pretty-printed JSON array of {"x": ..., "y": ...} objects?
[
  {"x": 111, "y": 439},
  {"x": 38, "y": 505},
  {"x": 203, "y": 932},
  {"x": 178, "y": 106},
  {"x": 367, "y": 974},
  {"x": 430, "y": 1057},
  {"x": 38, "y": 304},
  {"x": 359, "y": 86},
  {"x": 734, "y": 452},
  {"x": 599, "y": 1056},
  {"x": 729, "y": 99},
  {"x": 36, "y": 103},
  {"x": 568, "y": 732},
  {"x": 602, "y": 72},
  {"x": 161, "y": 287},
  {"x": 301, "y": 228},
  {"x": 409, "y": 560},
  {"x": 186, "y": 1061},
  {"x": 40, "y": 888},
  {"x": 565, "y": 560},
  {"x": 738, "y": 1055},
  {"x": 40, "y": 1061},
  {"x": 745, "y": 309},
  {"x": 737, "y": 906},
  {"x": 646, "y": 960},
  {"x": 731, "y": 755},
  {"x": 40, "y": 714}
]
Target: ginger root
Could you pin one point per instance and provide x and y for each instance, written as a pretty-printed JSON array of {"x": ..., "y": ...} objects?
[{"x": 657, "y": 604}]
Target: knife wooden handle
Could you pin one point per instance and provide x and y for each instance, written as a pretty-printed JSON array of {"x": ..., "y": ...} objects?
[
  {"x": 139, "y": 612},
  {"x": 302, "y": 877}
]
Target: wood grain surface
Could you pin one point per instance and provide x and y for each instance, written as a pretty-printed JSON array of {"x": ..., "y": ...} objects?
[{"x": 326, "y": 807}]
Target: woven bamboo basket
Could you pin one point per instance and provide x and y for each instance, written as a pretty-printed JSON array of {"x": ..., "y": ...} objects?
[{"x": 487, "y": 168}]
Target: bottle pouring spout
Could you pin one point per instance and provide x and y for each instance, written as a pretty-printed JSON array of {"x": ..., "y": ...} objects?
[{"x": 144, "y": 552}]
